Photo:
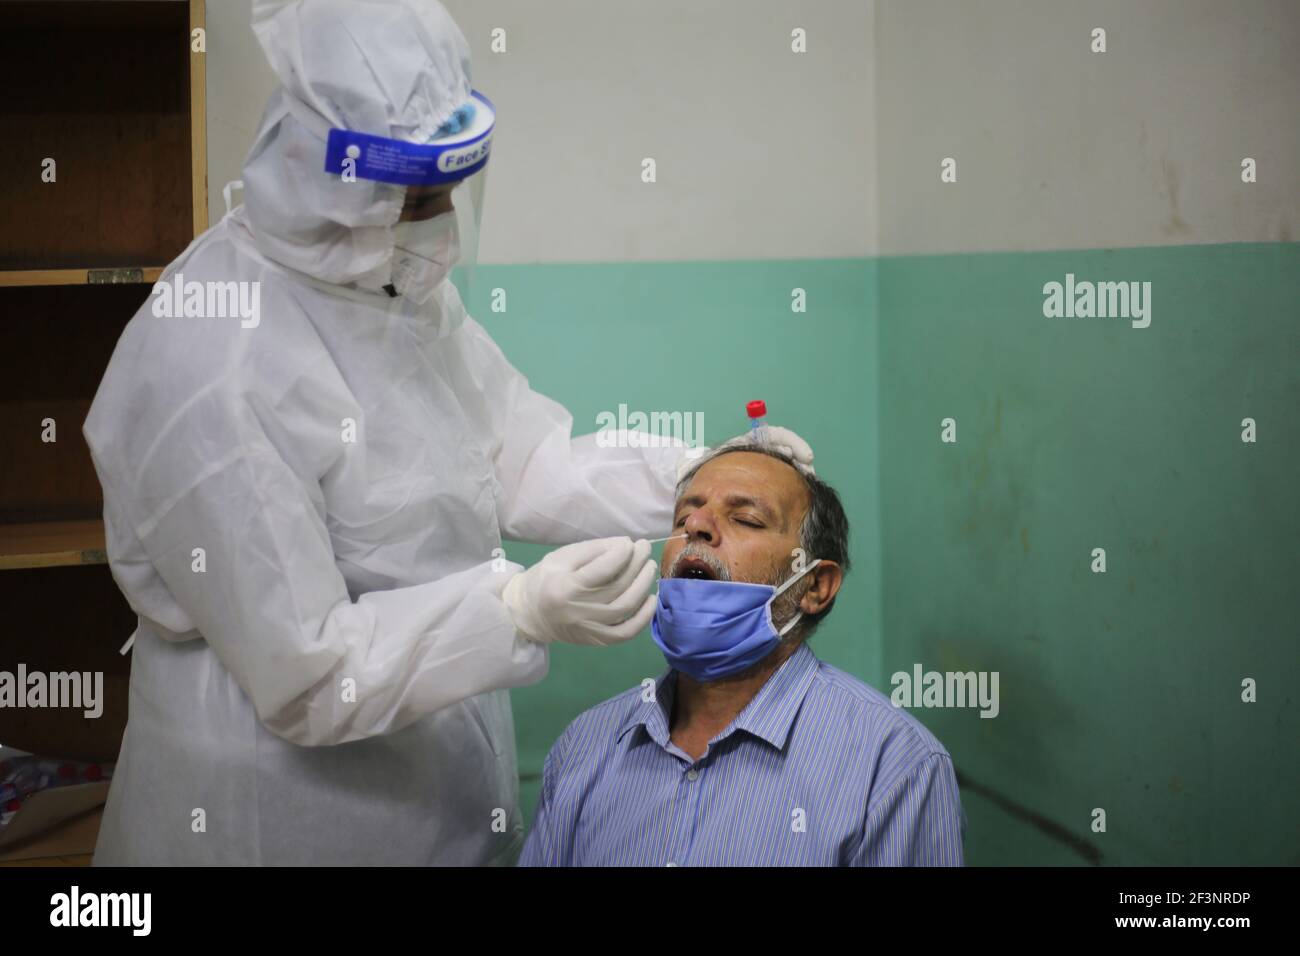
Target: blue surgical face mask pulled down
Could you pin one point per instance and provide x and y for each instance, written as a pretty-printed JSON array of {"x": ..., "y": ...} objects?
[{"x": 713, "y": 629}]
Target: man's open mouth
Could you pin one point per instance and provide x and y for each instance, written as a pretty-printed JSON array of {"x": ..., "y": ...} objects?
[{"x": 694, "y": 568}]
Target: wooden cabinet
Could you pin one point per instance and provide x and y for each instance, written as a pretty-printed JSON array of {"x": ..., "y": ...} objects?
[{"x": 105, "y": 182}]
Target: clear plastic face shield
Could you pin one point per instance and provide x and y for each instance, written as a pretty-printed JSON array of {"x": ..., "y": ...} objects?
[{"x": 445, "y": 179}]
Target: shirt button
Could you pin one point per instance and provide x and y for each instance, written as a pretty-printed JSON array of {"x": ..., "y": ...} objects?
[{"x": 692, "y": 775}]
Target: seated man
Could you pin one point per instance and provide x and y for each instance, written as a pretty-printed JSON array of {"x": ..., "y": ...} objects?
[{"x": 749, "y": 751}]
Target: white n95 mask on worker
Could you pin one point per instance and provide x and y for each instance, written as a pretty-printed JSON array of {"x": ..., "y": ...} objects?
[{"x": 423, "y": 254}]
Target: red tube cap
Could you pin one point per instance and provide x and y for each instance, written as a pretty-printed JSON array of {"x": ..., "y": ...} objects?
[{"x": 756, "y": 409}]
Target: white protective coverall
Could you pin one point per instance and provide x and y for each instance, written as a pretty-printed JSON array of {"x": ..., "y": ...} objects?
[{"x": 320, "y": 665}]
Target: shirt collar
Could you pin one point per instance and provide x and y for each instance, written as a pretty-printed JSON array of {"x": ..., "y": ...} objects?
[{"x": 768, "y": 716}]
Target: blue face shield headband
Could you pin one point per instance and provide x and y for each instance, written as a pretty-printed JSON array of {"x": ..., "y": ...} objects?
[
  {"x": 713, "y": 629},
  {"x": 459, "y": 150}
]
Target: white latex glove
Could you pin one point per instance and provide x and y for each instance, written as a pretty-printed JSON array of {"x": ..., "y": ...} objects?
[
  {"x": 594, "y": 592},
  {"x": 779, "y": 439}
]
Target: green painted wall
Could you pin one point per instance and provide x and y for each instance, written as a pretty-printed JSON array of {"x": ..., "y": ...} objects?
[{"x": 1118, "y": 690}]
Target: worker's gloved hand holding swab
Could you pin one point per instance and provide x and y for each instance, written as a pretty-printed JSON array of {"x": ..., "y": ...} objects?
[{"x": 593, "y": 592}]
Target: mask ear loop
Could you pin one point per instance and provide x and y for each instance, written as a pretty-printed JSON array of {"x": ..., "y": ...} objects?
[
  {"x": 781, "y": 590},
  {"x": 228, "y": 189}
]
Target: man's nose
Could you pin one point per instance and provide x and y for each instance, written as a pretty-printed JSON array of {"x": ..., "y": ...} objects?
[{"x": 700, "y": 526}]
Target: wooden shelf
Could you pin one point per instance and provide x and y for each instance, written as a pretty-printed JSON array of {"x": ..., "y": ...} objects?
[
  {"x": 104, "y": 117},
  {"x": 52, "y": 544},
  {"x": 90, "y": 276},
  {"x": 71, "y": 843},
  {"x": 105, "y": 133}
]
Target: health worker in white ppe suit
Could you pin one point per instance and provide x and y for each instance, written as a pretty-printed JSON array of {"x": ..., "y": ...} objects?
[{"x": 305, "y": 508}]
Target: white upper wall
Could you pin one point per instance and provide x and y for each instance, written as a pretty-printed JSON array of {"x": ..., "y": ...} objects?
[
  {"x": 1061, "y": 148},
  {"x": 761, "y": 153}
]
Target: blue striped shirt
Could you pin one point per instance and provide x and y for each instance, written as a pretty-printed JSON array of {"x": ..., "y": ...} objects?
[{"x": 819, "y": 769}]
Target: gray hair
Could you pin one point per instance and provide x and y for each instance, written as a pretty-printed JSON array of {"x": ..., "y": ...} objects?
[{"x": 824, "y": 532}]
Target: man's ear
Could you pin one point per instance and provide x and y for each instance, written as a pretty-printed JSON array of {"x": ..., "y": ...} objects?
[{"x": 826, "y": 580}]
